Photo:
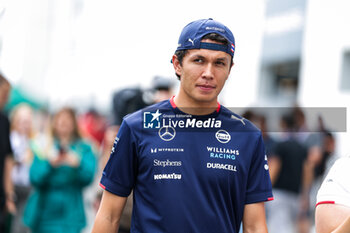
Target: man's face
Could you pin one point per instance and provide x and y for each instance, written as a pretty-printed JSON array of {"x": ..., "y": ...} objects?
[
  {"x": 203, "y": 74},
  {"x": 4, "y": 94}
]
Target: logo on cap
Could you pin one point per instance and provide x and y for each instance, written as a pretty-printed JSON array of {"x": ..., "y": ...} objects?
[{"x": 215, "y": 29}]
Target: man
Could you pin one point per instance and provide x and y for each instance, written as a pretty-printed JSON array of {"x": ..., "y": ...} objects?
[
  {"x": 333, "y": 199},
  {"x": 193, "y": 165},
  {"x": 287, "y": 171},
  {"x": 7, "y": 196}
]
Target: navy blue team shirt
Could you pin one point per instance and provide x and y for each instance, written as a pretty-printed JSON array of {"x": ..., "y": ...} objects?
[{"x": 189, "y": 173}]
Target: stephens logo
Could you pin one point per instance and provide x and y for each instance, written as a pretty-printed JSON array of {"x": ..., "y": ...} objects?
[
  {"x": 223, "y": 136},
  {"x": 151, "y": 120},
  {"x": 167, "y": 163}
]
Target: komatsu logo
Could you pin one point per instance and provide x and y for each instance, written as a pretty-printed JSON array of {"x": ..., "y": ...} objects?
[
  {"x": 192, "y": 123},
  {"x": 171, "y": 176}
]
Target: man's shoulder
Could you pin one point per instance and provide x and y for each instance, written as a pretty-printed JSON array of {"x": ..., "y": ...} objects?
[
  {"x": 240, "y": 123},
  {"x": 138, "y": 116}
]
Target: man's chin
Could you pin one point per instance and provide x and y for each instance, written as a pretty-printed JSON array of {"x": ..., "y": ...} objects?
[{"x": 206, "y": 99}]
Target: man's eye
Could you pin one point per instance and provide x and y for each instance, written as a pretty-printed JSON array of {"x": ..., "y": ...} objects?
[
  {"x": 220, "y": 63},
  {"x": 199, "y": 60}
]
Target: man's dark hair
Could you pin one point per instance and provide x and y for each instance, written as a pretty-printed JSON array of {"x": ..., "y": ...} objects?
[{"x": 212, "y": 36}]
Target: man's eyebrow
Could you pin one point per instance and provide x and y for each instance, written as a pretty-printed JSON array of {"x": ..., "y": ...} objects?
[
  {"x": 197, "y": 56},
  {"x": 222, "y": 59}
]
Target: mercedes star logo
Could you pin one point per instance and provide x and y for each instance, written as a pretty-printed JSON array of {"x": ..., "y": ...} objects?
[{"x": 167, "y": 133}]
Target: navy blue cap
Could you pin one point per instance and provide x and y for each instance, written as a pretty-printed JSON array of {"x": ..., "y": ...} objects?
[{"x": 193, "y": 33}]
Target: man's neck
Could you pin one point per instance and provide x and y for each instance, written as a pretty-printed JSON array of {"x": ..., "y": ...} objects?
[{"x": 192, "y": 107}]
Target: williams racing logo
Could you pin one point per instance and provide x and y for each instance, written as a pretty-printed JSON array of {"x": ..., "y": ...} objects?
[{"x": 222, "y": 153}]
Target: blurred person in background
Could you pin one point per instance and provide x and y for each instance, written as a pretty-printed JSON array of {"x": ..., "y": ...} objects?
[
  {"x": 7, "y": 194},
  {"x": 269, "y": 141},
  {"x": 260, "y": 121},
  {"x": 328, "y": 155},
  {"x": 20, "y": 136},
  {"x": 162, "y": 89},
  {"x": 124, "y": 101},
  {"x": 333, "y": 199},
  {"x": 131, "y": 99},
  {"x": 320, "y": 145},
  {"x": 42, "y": 123},
  {"x": 316, "y": 167},
  {"x": 61, "y": 168},
  {"x": 311, "y": 138},
  {"x": 93, "y": 126},
  {"x": 287, "y": 171}
]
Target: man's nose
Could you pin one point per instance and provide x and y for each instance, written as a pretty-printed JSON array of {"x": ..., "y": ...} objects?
[{"x": 208, "y": 72}]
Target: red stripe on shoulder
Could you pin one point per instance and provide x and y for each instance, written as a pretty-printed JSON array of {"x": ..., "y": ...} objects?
[{"x": 325, "y": 202}]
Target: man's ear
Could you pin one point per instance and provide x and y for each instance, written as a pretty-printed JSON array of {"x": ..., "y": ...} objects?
[{"x": 177, "y": 65}]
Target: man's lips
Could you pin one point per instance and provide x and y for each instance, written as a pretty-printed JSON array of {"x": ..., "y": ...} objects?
[{"x": 205, "y": 87}]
